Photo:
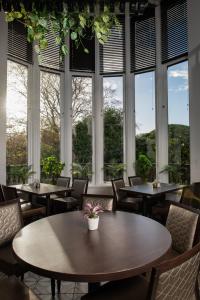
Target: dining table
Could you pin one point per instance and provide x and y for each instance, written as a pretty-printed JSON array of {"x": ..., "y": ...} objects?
[
  {"x": 62, "y": 247},
  {"x": 147, "y": 191},
  {"x": 43, "y": 189}
]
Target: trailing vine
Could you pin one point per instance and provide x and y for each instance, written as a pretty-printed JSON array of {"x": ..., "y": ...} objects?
[{"x": 61, "y": 24}]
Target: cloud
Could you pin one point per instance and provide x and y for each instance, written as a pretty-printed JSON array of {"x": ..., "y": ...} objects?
[
  {"x": 179, "y": 74},
  {"x": 180, "y": 88}
]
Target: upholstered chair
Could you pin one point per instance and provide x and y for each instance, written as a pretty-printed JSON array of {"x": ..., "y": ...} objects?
[
  {"x": 122, "y": 200},
  {"x": 172, "y": 280},
  {"x": 10, "y": 224},
  {"x": 182, "y": 223},
  {"x": 30, "y": 211},
  {"x": 134, "y": 180},
  {"x": 105, "y": 203},
  {"x": 73, "y": 201},
  {"x": 13, "y": 289}
]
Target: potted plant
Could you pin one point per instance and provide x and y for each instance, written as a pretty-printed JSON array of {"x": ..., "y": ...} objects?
[
  {"x": 91, "y": 212},
  {"x": 52, "y": 168},
  {"x": 24, "y": 173},
  {"x": 143, "y": 167}
]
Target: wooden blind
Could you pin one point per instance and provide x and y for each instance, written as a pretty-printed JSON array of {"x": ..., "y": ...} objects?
[
  {"x": 112, "y": 53},
  {"x": 174, "y": 29},
  {"x": 51, "y": 56},
  {"x": 143, "y": 42},
  {"x": 18, "y": 46}
]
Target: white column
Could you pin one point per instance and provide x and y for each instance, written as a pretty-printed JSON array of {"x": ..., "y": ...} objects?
[
  {"x": 161, "y": 105},
  {"x": 98, "y": 133},
  {"x": 34, "y": 116},
  {"x": 66, "y": 118},
  {"x": 129, "y": 88},
  {"x": 194, "y": 86},
  {"x": 3, "y": 88}
]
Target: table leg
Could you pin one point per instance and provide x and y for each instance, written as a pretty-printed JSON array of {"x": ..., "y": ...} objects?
[
  {"x": 48, "y": 204},
  {"x": 145, "y": 208},
  {"x": 93, "y": 286}
]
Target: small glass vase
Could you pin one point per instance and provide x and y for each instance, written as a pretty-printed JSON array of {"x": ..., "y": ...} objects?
[{"x": 93, "y": 223}]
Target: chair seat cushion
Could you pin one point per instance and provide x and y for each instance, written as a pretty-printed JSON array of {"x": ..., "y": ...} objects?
[
  {"x": 30, "y": 210},
  {"x": 13, "y": 289},
  {"x": 129, "y": 203},
  {"x": 8, "y": 263},
  {"x": 69, "y": 200},
  {"x": 135, "y": 288}
]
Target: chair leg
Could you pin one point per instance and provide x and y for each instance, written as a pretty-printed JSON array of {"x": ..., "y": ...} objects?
[
  {"x": 197, "y": 294},
  {"x": 22, "y": 277},
  {"x": 53, "y": 287},
  {"x": 58, "y": 286}
]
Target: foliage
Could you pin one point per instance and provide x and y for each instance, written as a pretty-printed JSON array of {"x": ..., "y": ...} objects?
[
  {"x": 62, "y": 24},
  {"x": 21, "y": 173},
  {"x": 52, "y": 168},
  {"x": 176, "y": 172},
  {"x": 143, "y": 166},
  {"x": 114, "y": 170},
  {"x": 82, "y": 170},
  {"x": 92, "y": 211}
]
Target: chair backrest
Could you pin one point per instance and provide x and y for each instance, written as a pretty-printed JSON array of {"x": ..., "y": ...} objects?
[
  {"x": 10, "y": 220},
  {"x": 182, "y": 223},
  {"x": 105, "y": 202},
  {"x": 79, "y": 187},
  {"x": 191, "y": 195},
  {"x": 176, "y": 278},
  {"x": 134, "y": 180},
  {"x": 117, "y": 184},
  {"x": 9, "y": 193},
  {"x": 63, "y": 181}
]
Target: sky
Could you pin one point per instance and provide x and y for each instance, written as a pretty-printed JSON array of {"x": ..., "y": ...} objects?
[{"x": 178, "y": 109}]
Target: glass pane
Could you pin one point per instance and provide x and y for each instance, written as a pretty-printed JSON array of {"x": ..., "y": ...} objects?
[
  {"x": 82, "y": 127},
  {"x": 145, "y": 124},
  {"x": 113, "y": 127},
  {"x": 16, "y": 109},
  {"x": 178, "y": 120},
  {"x": 49, "y": 116}
]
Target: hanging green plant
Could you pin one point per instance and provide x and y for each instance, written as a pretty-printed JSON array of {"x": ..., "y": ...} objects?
[{"x": 62, "y": 24}]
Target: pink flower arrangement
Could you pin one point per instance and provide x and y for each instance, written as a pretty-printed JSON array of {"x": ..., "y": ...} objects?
[{"x": 92, "y": 211}]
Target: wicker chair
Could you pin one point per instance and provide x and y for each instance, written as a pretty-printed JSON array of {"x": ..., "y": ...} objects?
[
  {"x": 13, "y": 289},
  {"x": 30, "y": 211},
  {"x": 183, "y": 224},
  {"x": 10, "y": 223},
  {"x": 122, "y": 201},
  {"x": 174, "y": 279},
  {"x": 105, "y": 203}
]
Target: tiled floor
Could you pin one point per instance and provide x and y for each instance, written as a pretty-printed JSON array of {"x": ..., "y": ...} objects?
[{"x": 42, "y": 287}]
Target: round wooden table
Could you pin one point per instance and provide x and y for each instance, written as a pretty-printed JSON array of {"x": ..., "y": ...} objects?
[{"x": 62, "y": 247}]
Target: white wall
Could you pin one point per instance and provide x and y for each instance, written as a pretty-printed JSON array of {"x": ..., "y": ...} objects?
[{"x": 194, "y": 86}]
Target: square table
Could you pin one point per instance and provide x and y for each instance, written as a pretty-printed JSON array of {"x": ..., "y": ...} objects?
[
  {"x": 147, "y": 191},
  {"x": 43, "y": 190}
]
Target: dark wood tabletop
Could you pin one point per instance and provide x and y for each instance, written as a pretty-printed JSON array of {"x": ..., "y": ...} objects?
[
  {"x": 44, "y": 189},
  {"x": 148, "y": 190},
  {"x": 62, "y": 247}
]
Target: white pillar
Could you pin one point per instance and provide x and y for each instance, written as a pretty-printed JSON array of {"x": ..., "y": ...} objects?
[
  {"x": 66, "y": 118},
  {"x": 3, "y": 89},
  {"x": 161, "y": 105},
  {"x": 34, "y": 116},
  {"x": 194, "y": 86},
  {"x": 129, "y": 147},
  {"x": 98, "y": 132}
]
